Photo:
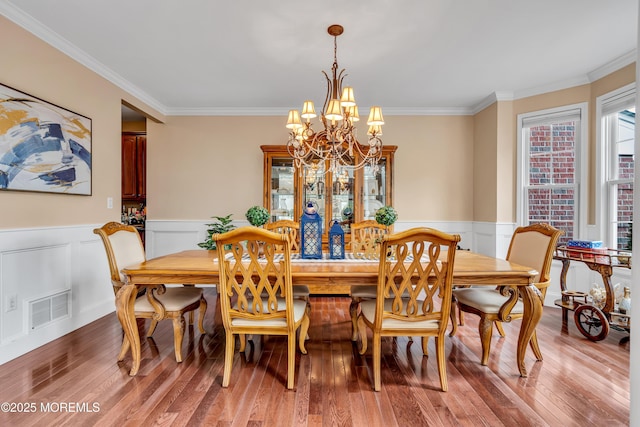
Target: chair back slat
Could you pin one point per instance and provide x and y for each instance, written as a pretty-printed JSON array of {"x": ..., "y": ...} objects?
[
  {"x": 414, "y": 276},
  {"x": 365, "y": 239},
  {"x": 288, "y": 227},
  {"x": 255, "y": 274}
]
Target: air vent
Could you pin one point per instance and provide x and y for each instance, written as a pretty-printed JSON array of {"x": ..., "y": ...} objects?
[{"x": 45, "y": 310}]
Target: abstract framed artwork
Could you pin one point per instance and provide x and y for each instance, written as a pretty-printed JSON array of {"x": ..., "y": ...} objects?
[{"x": 43, "y": 147}]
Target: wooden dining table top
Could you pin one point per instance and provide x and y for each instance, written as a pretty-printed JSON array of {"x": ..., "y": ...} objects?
[{"x": 201, "y": 267}]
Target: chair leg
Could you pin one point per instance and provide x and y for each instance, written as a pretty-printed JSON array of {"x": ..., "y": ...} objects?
[
  {"x": 291, "y": 359},
  {"x": 377, "y": 354},
  {"x": 307, "y": 310},
  {"x": 353, "y": 311},
  {"x": 178, "y": 334},
  {"x": 243, "y": 342},
  {"x": 362, "y": 332},
  {"x": 500, "y": 329},
  {"x": 228, "y": 358},
  {"x": 304, "y": 327},
  {"x": 442, "y": 362},
  {"x": 452, "y": 316},
  {"x": 425, "y": 346},
  {"x": 203, "y": 310},
  {"x": 533, "y": 342},
  {"x": 152, "y": 327},
  {"x": 485, "y": 327},
  {"x": 124, "y": 348}
]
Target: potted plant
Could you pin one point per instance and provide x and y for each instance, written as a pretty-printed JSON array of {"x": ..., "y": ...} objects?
[
  {"x": 386, "y": 215},
  {"x": 257, "y": 216},
  {"x": 221, "y": 225}
]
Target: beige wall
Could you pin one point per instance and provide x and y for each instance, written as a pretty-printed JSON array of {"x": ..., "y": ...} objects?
[
  {"x": 32, "y": 66},
  {"x": 485, "y": 176},
  {"x": 198, "y": 167}
]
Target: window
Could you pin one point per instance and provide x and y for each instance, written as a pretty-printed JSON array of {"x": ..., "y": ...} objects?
[
  {"x": 549, "y": 153},
  {"x": 617, "y": 132}
]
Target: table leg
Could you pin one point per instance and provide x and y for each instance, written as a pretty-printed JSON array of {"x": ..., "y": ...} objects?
[
  {"x": 125, "y": 301},
  {"x": 532, "y": 301}
]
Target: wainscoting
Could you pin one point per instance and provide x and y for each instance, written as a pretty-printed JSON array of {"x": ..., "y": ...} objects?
[{"x": 64, "y": 271}]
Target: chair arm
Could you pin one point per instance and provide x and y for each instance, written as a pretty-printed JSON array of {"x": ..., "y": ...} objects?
[
  {"x": 504, "y": 313},
  {"x": 158, "y": 307}
]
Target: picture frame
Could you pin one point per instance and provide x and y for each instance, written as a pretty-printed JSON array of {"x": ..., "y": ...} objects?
[{"x": 43, "y": 147}]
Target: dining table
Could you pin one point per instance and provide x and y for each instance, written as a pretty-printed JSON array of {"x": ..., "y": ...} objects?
[{"x": 200, "y": 267}]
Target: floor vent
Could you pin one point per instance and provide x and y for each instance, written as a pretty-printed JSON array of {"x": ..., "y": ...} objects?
[{"x": 45, "y": 310}]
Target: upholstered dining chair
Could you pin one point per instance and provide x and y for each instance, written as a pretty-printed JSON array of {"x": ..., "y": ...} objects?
[
  {"x": 256, "y": 292},
  {"x": 413, "y": 294},
  {"x": 365, "y": 244},
  {"x": 292, "y": 230},
  {"x": 124, "y": 248},
  {"x": 531, "y": 246}
]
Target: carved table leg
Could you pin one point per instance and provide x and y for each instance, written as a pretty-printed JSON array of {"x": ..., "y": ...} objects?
[
  {"x": 532, "y": 301},
  {"x": 125, "y": 301}
]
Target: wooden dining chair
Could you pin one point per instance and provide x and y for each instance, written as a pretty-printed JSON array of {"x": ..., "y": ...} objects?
[
  {"x": 124, "y": 247},
  {"x": 256, "y": 292},
  {"x": 292, "y": 230},
  {"x": 365, "y": 244},
  {"x": 413, "y": 294},
  {"x": 531, "y": 246}
]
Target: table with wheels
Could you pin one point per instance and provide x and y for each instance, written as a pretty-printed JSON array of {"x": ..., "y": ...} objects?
[{"x": 594, "y": 319}]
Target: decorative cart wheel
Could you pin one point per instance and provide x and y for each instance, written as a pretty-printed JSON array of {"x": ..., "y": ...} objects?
[{"x": 591, "y": 322}]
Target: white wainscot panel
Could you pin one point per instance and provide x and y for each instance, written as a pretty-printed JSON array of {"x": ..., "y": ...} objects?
[
  {"x": 39, "y": 263},
  {"x": 31, "y": 274}
]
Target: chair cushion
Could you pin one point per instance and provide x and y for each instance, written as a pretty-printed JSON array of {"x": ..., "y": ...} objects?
[
  {"x": 368, "y": 291},
  {"x": 299, "y": 308},
  {"x": 368, "y": 309},
  {"x": 174, "y": 299},
  {"x": 487, "y": 300}
]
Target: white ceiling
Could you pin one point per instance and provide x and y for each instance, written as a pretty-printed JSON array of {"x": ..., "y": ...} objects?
[{"x": 265, "y": 57}]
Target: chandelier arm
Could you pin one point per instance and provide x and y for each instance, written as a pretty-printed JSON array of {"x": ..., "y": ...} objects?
[
  {"x": 340, "y": 79},
  {"x": 327, "y": 98}
]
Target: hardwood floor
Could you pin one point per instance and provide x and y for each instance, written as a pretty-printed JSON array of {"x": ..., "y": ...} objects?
[{"x": 76, "y": 380}]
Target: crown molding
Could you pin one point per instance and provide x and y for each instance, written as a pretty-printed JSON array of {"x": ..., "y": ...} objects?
[
  {"x": 552, "y": 87},
  {"x": 44, "y": 33},
  {"x": 614, "y": 65},
  {"x": 494, "y": 97}
]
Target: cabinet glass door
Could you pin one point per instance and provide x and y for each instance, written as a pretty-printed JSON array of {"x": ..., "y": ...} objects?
[
  {"x": 342, "y": 195},
  {"x": 282, "y": 189},
  {"x": 374, "y": 190},
  {"x": 314, "y": 189}
]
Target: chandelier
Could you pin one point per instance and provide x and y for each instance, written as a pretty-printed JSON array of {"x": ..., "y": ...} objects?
[{"x": 336, "y": 143}]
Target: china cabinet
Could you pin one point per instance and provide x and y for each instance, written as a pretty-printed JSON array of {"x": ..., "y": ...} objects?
[{"x": 348, "y": 196}]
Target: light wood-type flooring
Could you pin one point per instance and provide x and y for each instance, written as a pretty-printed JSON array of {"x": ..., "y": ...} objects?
[{"x": 77, "y": 381}]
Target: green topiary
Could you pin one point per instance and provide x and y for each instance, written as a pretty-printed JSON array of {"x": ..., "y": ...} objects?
[
  {"x": 257, "y": 215},
  {"x": 386, "y": 215},
  {"x": 222, "y": 225}
]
